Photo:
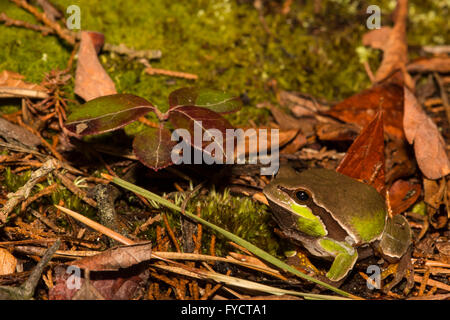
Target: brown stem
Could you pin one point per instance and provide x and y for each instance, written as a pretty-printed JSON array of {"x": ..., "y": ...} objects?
[{"x": 64, "y": 34}]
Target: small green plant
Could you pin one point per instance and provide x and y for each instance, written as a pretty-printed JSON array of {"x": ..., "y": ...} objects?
[{"x": 188, "y": 107}]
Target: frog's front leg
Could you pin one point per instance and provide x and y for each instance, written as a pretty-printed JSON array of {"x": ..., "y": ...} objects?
[
  {"x": 345, "y": 257},
  {"x": 395, "y": 246}
]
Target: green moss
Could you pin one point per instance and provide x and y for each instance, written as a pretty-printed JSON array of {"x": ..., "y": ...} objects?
[
  {"x": 14, "y": 181},
  {"x": 224, "y": 43},
  {"x": 240, "y": 215},
  {"x": 73, "y": 202},
  {"x": 28, "y": 52}
]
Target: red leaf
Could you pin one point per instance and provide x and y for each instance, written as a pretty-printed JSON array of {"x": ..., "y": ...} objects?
[
  {"x": 189, "y": 117},
  {"x": 402, "y": 195},
  {"x": 365, "y": 157},
  {"x": 153, "y": 147},
  {"x": 362, "y": 107}
]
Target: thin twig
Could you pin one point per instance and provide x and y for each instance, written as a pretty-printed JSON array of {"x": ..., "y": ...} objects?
[
  {"x": 170, "y": 73},
  {"x": 62, "y": 33},
  {"x": 171, "y": 233},
  {"x": 131, "y": 53},
  {"x": 444, "y": 96},
  {"x": 52, "y": 27},
  {"x": 24, "y": 191},
  {"x": 75, "y": 190},
  {"x": 47, "y": 221},
  {"x": 97, "y": 226},
  {"x": 24, "y": 24},
  {"x": 46, "y": 191}
]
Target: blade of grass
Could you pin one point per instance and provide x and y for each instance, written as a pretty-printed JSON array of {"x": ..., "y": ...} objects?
[
  {"x": 242, "y": 283},
  {"x": 252, "y": 248}
]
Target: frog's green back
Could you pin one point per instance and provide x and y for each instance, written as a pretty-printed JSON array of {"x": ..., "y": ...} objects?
[{"x": 358, "y": 207}]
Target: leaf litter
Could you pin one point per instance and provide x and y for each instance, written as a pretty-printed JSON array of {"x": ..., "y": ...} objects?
[{"x": 365, "y": 136}]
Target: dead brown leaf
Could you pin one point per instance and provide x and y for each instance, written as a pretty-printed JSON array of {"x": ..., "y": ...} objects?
[
  {"x": 434, "y": 196},
  {"x": 88, "y": 292},
  {"x": 296, "y": 144},
  {"x": 429, "y": 146},
  {"x": 402, "y": 195},
  {"x": 14, "y": 133},
  {"x": 110, "y": 285},
  {"x": 91, "y": 80},
  {"x": 364, "y": 159},
  {"x": 114, "y": 274},
  {"x": 12, "y": 85},
  {"x": 7, "y": 262},
  {"x": 361, "y": 108},
  {"x": 444, "y": 251},
  {"x": 399, "y": 160},
  {"x": 285, "y": 121},
  {"x": 334, "y": 131},
  {"x": 394, "y": 45},
  {"x": 301, "y": 104},
  {"x": 433, "y": 64},
  {"x": 117, "y": 258},
  {"x": 253, "y": 140}
]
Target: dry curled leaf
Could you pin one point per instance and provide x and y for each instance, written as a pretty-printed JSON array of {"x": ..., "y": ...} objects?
[
  {"x": 110, "y": 285},
  {"x": 429, "y": 146},
  {"x": 14, "y": 133},
  {"x": 434, "y": 194},
  {"x": 297, "y": 143},
  {"x": 334, "y": 131},
  {"x": 117, "y": 258},
  {"x": 254, "y": 141},
  {"x": 285, "y": 121},
  {"x": 444, "y": 251},
  {"x": 301, "y": 104},
  {"x": 114, "y": 274},
  {"x": 91, "y": 80},
  {"x": 394, "y": 46}
]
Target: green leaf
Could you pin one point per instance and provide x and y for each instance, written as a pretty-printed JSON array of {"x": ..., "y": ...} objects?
[
  {"x": 107, "y": 113},
  {"x": 213, "y": 100},
  {"x": 153, "y": 147}
]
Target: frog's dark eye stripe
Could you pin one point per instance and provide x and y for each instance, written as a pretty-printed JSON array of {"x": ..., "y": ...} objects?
[{"x": 302, "y": 196}]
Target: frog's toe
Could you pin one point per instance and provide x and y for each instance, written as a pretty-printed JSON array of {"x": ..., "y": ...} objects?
[
  {"x": 341, "y": 266},
  {"x": 404, "y": 269},
  {"x": 300, "y": 261}
]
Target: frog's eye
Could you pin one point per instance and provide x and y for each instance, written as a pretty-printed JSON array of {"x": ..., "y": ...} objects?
[{"x": 302, "y": 196}]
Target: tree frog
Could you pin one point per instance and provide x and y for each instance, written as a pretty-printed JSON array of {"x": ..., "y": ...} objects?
[{"x": 335, "y": 217}]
